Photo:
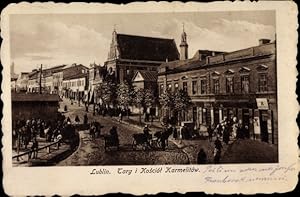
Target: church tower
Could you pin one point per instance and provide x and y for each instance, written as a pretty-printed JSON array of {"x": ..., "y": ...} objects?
[{"x": 183, "y": 46}]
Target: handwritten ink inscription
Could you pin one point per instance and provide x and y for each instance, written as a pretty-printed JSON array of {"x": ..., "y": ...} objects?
[{"x": 211, "y": 173}]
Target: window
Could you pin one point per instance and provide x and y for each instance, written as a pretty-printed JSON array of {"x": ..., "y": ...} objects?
[
  {"x": 229, "y": 84},
  {"x": 169, "y": 87},
  {"x": 245, "y": 84},
  {"x": 176, "y": 87},
  {"x": 203, "y": 86},
  {"x": 262, "y": 82},
  {"x": 184, "y": 86},
  {"x": 216, "y": 86},
  {"x": 194, "y": 87},
  {"x": 161, "y": 89}
]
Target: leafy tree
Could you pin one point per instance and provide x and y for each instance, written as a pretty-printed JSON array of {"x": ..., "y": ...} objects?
[
  {"x": 107, "y": 92},
  {"x": 182, "y": 102},
  {"x": 139, "y": 100},
  {"x": 125, "y": 95},
  {"x": 174, "y": 103}
]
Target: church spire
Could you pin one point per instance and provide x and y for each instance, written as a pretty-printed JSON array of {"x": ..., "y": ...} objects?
[{"x": 183, "y": 45}]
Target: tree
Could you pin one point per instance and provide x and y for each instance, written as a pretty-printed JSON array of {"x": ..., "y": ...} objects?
[
  {"x": 167, "y": 104},
  {"x": 138, "y": 101},
  {"x": 107, "y": 92},
  {"x": 182, "y": 102},
  {"x": 124, "y": 95}
]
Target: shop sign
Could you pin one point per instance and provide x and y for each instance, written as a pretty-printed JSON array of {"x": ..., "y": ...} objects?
[{"x": 262, "y": 103}]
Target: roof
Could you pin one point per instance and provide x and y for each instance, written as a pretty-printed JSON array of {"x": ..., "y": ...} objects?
[
  {"x": 146, "y": 75},
  {"x": 34, "y": 97},
  {"x": 74, "y": 71},
  {"x": 146, "y": 48},
  {"x": 194, "y": 63},
  {"x": 75, "y": 76}
]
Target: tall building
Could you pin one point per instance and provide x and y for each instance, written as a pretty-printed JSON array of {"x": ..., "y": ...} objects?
[
  {"x": 183, "y": 46},
  {"x": 238, "y": 84},
  {"x": 131, "y": 53}
]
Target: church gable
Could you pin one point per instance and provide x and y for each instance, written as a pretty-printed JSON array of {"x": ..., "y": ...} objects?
[{"x": 138, "y": 77}]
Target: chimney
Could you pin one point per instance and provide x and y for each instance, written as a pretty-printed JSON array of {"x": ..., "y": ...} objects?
[{"x": 264, "y": 41}]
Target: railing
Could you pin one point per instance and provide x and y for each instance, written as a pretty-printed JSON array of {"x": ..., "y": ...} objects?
[{"x": 48, "y": 147}]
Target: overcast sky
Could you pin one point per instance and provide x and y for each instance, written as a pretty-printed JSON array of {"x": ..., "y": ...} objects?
[{"x": 85, "y": 38}]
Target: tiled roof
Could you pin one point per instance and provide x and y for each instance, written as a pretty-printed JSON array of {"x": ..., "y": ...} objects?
[
  {"x": 33, "y": 97},
  {"x": 75, "y": 76},
  {"x": 147, "y": 75},
  {"x": 146, "y": 48}
]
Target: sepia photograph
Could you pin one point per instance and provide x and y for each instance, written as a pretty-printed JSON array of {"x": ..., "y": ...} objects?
[
  {"x": 181, "y": 97},
  {"x": 102, "y": 89}
]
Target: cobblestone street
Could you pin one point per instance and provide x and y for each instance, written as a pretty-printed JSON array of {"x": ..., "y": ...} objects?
[{"x": 91, "y": 152}]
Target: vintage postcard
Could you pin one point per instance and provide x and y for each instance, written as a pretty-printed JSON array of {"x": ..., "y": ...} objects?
[{"x": 181, "y": 97}]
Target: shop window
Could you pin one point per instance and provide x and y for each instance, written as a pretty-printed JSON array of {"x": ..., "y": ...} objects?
[
  {"x": 169, "y": 87},
  {"x": 176, "y": 87},
  {"x": 161, "y": 89}
]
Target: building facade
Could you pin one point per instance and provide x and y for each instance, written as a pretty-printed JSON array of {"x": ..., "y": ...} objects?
[
  {"x": 238, "y": 84},
  {"x": 75, "y": 81}
]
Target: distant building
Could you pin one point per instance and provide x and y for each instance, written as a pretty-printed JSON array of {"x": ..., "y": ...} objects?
[
  {"x": 97, "y": 73},
  {"x": 13, "y": 84},
  {"x": 130, "y": 53},
  {"x": 240, "y": 83},
  {"x": 75, "y": 81},
  {"x": 33, "y": 81},
  {"x": 22, "y": 82}
]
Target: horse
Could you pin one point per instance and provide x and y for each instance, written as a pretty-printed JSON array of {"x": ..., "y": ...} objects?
[
  {"x": 140, "y": 139},
  {"x": 163, "y": 137}
]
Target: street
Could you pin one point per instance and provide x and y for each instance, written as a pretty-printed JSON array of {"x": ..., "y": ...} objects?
[{"x": 91, "y": 152}]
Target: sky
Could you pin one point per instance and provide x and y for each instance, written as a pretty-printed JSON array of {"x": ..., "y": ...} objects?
[{"x": 55, "y": 39}]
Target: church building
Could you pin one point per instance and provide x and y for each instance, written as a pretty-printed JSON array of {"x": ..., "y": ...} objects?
[{"x": 131, "y": 53}]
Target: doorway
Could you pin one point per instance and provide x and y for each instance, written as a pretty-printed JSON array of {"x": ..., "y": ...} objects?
[{"x": 264, "y": 126}]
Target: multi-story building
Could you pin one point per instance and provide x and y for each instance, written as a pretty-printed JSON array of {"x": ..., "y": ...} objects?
[
  {"x": 238, "y": 84},
  {"x": 75, "y": 81},
  {"x": 22, "y": 82},
  {"x": 33, "y": 81},
  {"x": 96, "y": 75},
  {"x": 130, "y": 53}
]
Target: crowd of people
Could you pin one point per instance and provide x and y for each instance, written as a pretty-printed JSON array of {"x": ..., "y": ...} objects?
[
  {"x": 27, "y": 132},
  {"x": 226, "y": 131}
]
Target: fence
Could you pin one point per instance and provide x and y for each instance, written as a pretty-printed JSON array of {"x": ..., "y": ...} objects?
[{"x": 29, "y": 153}]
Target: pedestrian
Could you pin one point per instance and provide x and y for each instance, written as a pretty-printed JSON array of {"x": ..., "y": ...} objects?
[
  {"x": 85, "y": 119},
  {"x": 175, "y": 134},
  {"x": 68, "y": 119},
  {"x": 210, "y": 132},
  {"x": 120, "y": 116},
  {"x": 34, "y": 148},
  {"x": 66, "y": 108},
  {"x": 202, "y": 157},
  {"x": 226, "y": 134},
  {"x": 217, "y": 151},
  {"x": 240, "y": 130},
  {"x": 77, "y": 120}
]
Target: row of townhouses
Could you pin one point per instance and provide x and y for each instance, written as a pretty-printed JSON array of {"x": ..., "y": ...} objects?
[{"x": 238, "y": 84}]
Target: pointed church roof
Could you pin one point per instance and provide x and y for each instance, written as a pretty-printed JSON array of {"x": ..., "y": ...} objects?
[
  {"x": 145, "y": 75},
  {"x": 146, "y": 48}
]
